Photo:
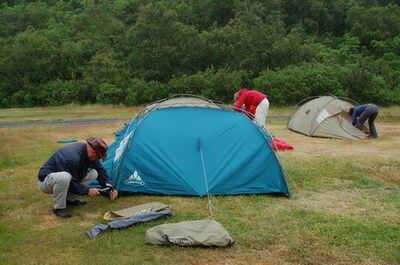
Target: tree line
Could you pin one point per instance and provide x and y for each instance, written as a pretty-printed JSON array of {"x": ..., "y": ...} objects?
[{"x": 132, "y": 52}]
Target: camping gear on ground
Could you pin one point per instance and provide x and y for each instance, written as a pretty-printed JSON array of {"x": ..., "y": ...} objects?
[
  {"x": 136, "y": 210},
  {"x": 130, "y": 216},
  {"x": 278, "y": 144},
  {"x": 325, "y": 116},
  {"x": 106, "y": 191},
  {"x": 207, "y": 233},
  {"x": 186, "y": 145},
  {"x": 66, "y": 140}
]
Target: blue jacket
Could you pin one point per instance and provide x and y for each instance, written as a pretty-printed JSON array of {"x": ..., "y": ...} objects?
[
  {"x": 74, "y": 159},
  {"x": 357, "y": 112}
]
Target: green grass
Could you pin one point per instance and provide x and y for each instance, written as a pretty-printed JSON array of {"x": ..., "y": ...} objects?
[
  {"x": 345, "y": 207},
  {"x": 66, "y": 113}
]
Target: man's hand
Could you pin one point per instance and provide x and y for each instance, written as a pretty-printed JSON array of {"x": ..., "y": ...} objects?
[
  {"x": 93, "y": 192},
  {"x": 113, "y": 194}
]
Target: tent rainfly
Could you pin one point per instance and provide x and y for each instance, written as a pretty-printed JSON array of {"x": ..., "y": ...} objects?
[
  {"x": 325, "y": 116},
  {"x": 186, "y": 145}
]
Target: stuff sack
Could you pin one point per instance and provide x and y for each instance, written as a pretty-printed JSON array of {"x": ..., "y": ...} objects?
[{"x": 207, "y": 233}]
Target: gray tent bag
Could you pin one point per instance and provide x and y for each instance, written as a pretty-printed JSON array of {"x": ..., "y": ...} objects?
[{"x": 207, "y": 233}]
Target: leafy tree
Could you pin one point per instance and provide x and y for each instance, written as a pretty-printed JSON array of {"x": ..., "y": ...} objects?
[
  {"x": 104, "y": 69},
  {"x": 60, "y": 92},
  {"x": 110, "y": 94},
  {"x": 27, "y": 61},
  {"x": 9, "y": 20},
  {"x": 293, "y": 48},
  {"x": 294, "y": 83},
  {"x": 372, "y": 3},
  {"x": 214, "y": 84},
  {"x": 246, "y": 41},
  {"x": 37, "y": 14},
  {"x": 18, "y": 18},
  {"x": 197, "y": 13},
  {"x": 349, "y": 48},
  {"x": 127, "y": 11},
  {"x": 95, "y": 29},
  {"x": 222, "y": 12},
  {"x": 160, "y": 45},
  {"x": 141, "y": 91},
  {"x": 322, "y": 17},
  {"x": 137, "y": 51},
  {"x": 375, "y": 23}
]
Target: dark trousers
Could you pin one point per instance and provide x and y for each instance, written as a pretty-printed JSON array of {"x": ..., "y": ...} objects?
[{"x": 370, "y": 113}]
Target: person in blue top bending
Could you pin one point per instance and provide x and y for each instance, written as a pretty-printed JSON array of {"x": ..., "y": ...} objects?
[
  {"x": 70, "y": 170},
  {"x": 362, "y": 113}
]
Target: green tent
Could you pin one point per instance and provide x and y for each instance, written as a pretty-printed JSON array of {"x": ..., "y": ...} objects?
[{"x": 325, "y": 116}]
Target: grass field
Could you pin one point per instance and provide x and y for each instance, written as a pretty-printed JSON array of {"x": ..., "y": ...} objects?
[{"x": 345, "y": 207}]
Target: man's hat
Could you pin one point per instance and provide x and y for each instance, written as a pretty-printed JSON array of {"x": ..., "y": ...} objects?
[{"x": 99, "y": 146}]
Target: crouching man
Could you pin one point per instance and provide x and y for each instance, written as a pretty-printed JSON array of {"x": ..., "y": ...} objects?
[{"x": 70, "y": 170}]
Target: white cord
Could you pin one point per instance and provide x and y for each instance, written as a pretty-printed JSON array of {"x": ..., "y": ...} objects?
[{"x": 210, "y": 207}]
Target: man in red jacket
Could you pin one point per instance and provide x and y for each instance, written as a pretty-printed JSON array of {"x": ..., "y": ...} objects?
[{"x": 253, "y": 99}]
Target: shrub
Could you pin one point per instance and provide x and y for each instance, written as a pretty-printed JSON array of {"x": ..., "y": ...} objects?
[
  {"x": 141, "y": 91},
  {"x": 213, "y": 84},
  {"x": 294, "y": 83},
  {"x": 110, "y": 94}
]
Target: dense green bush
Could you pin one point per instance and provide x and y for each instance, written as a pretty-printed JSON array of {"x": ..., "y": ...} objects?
[
  {"x": 294, "y": 83},
  {"x": 110, "y": 94},
  {"x": 213, "y": 84},
  {"x": 62, "y": 92},
  {"x": 141, "y": 91},
  {"x": 135, "y": 52}
]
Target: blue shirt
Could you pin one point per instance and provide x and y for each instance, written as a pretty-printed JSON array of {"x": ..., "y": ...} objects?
[
  {"x": 357, "y": 112},
  {"x": 74, "y": 159}
]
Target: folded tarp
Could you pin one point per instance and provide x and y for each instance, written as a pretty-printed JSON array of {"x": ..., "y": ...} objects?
[
  {"x": 130, "y": 216},
  {"x": 207, "y": 233},
  {"x": 136, "y": 210}
]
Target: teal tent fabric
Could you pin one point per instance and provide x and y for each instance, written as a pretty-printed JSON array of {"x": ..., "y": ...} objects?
[
  {"x": 194, "y": 151},
  {"x": 66, "y": 140}
]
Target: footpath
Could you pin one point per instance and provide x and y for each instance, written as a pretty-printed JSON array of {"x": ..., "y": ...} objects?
[{"x": 83, "y": 121}]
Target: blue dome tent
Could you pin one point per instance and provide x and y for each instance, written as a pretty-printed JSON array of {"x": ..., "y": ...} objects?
[{"x": 187, "y": 145}]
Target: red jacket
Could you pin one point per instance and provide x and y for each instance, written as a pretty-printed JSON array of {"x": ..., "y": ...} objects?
[{"x": 249, "y": 98}]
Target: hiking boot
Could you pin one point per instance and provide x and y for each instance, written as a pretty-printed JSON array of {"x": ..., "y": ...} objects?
[
  {"x": 62, "y": 213},
  {"x": 76, "y": 202}
]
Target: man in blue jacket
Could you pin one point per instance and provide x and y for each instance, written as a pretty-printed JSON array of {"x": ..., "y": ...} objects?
[
  {"x": 363, "y": 112},
  {"x": 70, "y": 170}
]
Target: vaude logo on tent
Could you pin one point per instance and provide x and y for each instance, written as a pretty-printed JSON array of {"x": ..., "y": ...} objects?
[
  {"x": 134, "y": 179},
  {"x": 182, "y": 241}
]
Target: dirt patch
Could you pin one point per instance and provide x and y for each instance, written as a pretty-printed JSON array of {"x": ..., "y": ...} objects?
[
  {"x": 362, "y": 205},
  {"x": 7, "y": 174},
  {"x": 47, "y": 221}
]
